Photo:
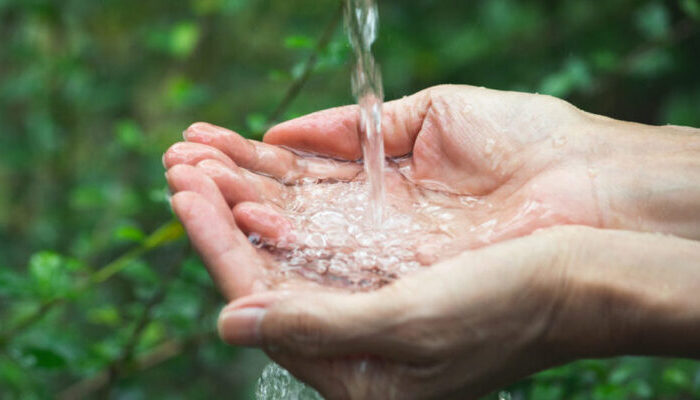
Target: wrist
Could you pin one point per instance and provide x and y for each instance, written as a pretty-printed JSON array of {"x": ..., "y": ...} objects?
[
  {"x": 629, "y": 294},
  {"x": 646, "y": 178}
]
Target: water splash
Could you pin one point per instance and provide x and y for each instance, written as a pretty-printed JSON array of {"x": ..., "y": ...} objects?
[
  {"x": 334, "y": 244},
  {"x": 361, "y": 24},
  {"x": 276, "y": 383},
  {"x": 504, "y": 396}
]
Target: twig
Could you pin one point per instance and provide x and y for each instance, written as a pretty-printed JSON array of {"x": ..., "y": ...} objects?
[
  {"x": 296, "y": 86},
  {"x": 126, "y": 355},
  {"x": 160, "y": 354},
  {"x": 166, "y": 233},
  {"x": 112, "y": 372}
]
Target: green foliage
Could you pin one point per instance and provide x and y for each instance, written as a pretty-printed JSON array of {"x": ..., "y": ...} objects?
[
  {"x": 93, "y": 92},
  {"x": 52, "y": 276}
]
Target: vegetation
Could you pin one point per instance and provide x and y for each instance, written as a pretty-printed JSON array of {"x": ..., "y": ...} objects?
[{"x": 100, "y": 295}]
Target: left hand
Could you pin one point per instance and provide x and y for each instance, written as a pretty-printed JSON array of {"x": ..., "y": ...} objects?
[{"x": 486, "y": 318}]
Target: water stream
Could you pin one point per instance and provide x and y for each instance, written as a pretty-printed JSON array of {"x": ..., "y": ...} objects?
[{"x": 361, "y": 25}]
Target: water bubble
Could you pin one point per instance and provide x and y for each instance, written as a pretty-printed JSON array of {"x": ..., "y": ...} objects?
[{"x": 255, "y": 240}]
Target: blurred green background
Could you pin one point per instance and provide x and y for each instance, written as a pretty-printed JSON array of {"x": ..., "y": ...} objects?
[{"x": 101, "y": 297}]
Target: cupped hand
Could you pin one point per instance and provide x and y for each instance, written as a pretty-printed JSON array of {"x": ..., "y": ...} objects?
[
  {"x": 460, "y": 329},
  {"x": 482, "y": 320},
  {"x": 477, "y": 165}
]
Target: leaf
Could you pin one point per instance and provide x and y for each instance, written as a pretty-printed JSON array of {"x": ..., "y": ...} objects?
[
  {"x": 106, "y": 315},
  {"x": 140, "y": 272},
  {"x": 52, "y": 274},
  {"x": 128, "y": 233},
  {"x": 153, "y": 334},
  {"x": 691, "y": 8},
  {"x": 129, "y": 134},
  {"x": 194, "y": 271},
  {"x": 181, "y": 307},
  {"x": 298, "y": 42},
  {"x": 184, "y": 38},
  {"x": 181, "y": 92},
  {"x": 206, "y": 7},
  {"x": 620, "y": 374},
  {"x": 573, "y": 76},
  {"x": 44, "y": 358},
  {"x": 11, "y": 283},
  {"x": 255, "y": 122},
  {"x": 652, "y": 63},
  {"x": 677, "y": 378},
  {"x": 12, "y": 375},
  {"x": 87, "y": 196},
  {"x": 681, "y": 108},
  {"x": 653, "y": 21},
  {"x": 641, "y": 389}
]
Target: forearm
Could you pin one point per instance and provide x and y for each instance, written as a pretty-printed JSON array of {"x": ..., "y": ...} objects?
[
  {"x": 648, "y": 177},
  {"x": 631, "y": 293}
]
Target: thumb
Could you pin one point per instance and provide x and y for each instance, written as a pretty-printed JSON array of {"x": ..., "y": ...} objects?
[
  {"x": 336, "y": 132},
  {"x": 321, "y": 324}
]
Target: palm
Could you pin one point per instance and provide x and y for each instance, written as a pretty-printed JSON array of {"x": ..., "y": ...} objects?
[{"x": 473, "y": 169}]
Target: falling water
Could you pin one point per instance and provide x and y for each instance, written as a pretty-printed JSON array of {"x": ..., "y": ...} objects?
[{"x": 361, "y": 25}]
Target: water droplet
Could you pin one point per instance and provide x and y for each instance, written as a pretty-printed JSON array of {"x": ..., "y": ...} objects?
[{"x": 255, "y": 240}]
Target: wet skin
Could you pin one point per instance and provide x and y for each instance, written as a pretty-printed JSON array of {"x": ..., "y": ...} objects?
[
  {"x": 495, "y": 147},
  {"x": 485, "y": 317}
]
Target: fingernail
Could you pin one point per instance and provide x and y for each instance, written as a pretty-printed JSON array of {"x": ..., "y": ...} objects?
[{"x": 241, "y": 326}]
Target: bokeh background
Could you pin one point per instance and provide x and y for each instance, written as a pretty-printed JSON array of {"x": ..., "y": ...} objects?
[{"x": 100, "y": 294}]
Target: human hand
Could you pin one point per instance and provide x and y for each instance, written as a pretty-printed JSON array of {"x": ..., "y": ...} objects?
[
  {"x": 473, "y": 160},
  {"x": 490, "y": 165},
  {"x": 486, "y": 318},
  {"x": 536, "y": 159}
]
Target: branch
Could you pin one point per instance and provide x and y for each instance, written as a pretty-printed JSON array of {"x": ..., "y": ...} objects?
[
  {"x": 296, "y": 86},
  {"x": 166, "y": 233},
  {"x": 160, "y": 354}
]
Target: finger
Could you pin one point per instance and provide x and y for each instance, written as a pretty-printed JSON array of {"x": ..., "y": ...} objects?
[
  {"x": 263, "y": 220},
  {"x": 238, "y": 185},
  {"x": 336, "y": 132},
  {"x": 268, "y": 159},
  {"x": 184, "y": 177},
  {"x": 231, "y": 260},
  {"x": 192, "y": 153}
]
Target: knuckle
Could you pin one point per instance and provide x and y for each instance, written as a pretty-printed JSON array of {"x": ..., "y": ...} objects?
[{"x": 302, "y": 330}]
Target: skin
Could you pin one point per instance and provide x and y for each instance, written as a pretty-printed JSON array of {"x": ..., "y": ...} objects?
[{"x": 485, "y": 317}]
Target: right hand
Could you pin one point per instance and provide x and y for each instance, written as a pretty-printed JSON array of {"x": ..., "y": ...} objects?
[
  {"x": 532, "y": 161},
  {"x": 537, "y": 159}
]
